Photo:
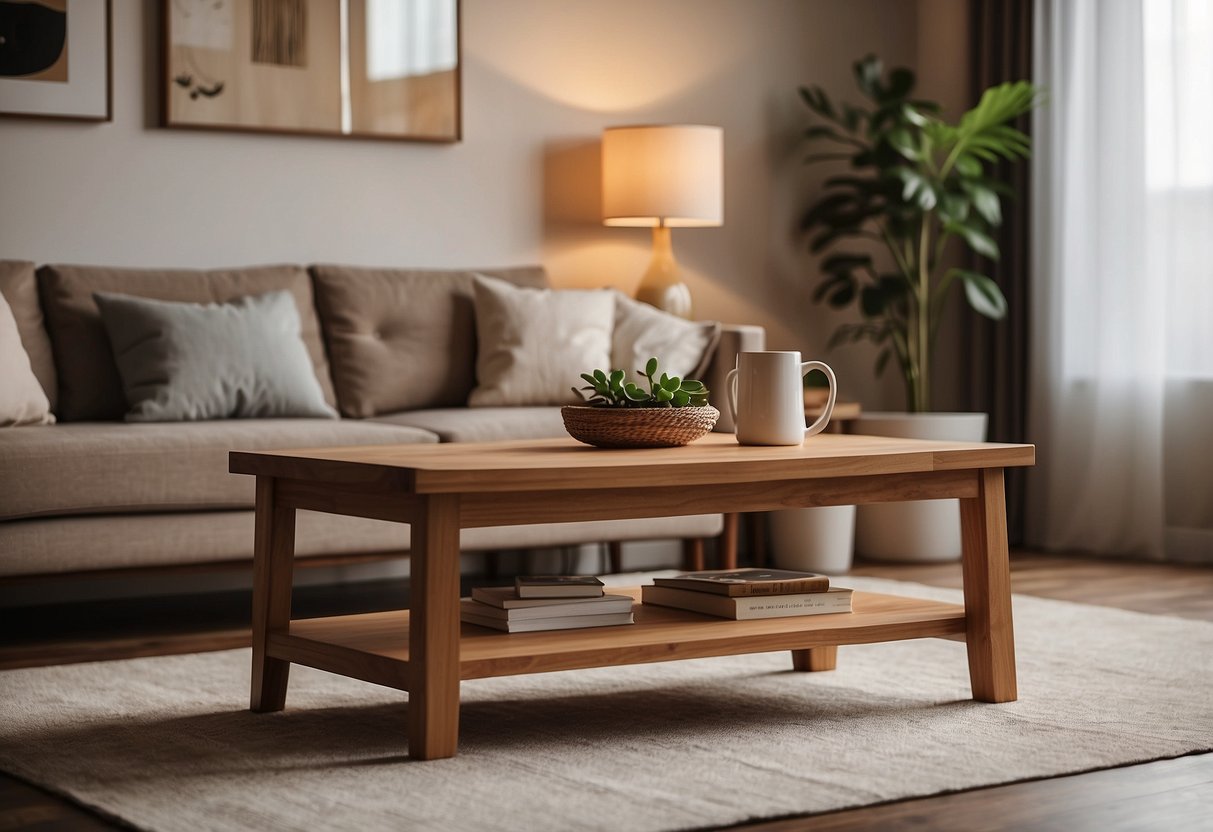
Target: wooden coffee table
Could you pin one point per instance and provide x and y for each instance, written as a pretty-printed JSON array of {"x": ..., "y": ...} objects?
[{"x": 440, "y": 489}]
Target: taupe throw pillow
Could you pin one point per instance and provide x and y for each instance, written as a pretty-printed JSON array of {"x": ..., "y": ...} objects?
[
  {"x": 535, "y": 343},
  {"x": 403, "y": 339},
  {"x": 683, "y": 348},
  {"x": 22, "y": 400},
  {"x": 192, "y": 361}
]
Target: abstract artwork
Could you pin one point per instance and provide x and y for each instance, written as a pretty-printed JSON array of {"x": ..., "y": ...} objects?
[
  {"x": 55, "y": 59},
  {"x": 356, "y": 68}
]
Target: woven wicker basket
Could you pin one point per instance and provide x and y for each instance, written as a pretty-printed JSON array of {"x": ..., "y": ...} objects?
[{"x": 638, "y": 427}]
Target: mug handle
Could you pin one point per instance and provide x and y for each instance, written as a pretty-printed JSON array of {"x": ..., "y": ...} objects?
[
  {"x": 730, "y": 387},
  {"x": 824, "y": 418}
]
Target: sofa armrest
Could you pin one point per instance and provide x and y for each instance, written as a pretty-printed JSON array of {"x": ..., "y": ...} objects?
[{"x": 734, "y": 338}]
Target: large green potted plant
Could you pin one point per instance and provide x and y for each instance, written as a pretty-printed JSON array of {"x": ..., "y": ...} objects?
[{"x": 917, "y": 192}]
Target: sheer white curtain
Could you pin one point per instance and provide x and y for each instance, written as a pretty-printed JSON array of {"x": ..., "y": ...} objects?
[{"x": 1122, "y": 368}]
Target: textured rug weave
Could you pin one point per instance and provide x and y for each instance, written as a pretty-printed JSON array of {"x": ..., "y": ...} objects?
[{"x": 167, "y": 744}]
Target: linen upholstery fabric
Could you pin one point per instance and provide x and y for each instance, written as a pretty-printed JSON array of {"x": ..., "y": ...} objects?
[
  {"x": 483, "y": 424},
  {"x": 535, "y": 343},
  {"x": 20, "y": 289},
  {"x": 109, "y": 467},
  {"x": 193, "y": 361},
  {"x": 402, "y": 339},
  {"x": 22, "y": 401},
  {"x": 67, "y": 544},
  {"x": 90, "y": 387},
  {"x": 683, "y": 348}
]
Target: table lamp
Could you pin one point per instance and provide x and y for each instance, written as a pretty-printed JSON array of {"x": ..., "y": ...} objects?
[{"x": 662, "y": 176}]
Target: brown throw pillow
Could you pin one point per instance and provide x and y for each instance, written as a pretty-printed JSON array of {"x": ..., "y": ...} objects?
[{"x": 402, "y": 339}]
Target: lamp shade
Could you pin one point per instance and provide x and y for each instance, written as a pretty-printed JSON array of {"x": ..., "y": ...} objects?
[{"x": 668, "y": 175}]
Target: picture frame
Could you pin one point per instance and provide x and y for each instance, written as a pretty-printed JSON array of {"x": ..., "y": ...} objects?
[
  {"x": 55, "y": 60},
  {"x": 362, "y": 69}
]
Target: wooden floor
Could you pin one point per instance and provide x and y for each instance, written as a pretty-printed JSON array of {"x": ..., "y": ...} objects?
[{"x": 1174, "y": 795}]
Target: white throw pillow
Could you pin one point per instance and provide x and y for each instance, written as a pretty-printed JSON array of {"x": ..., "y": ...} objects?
[
  {"x": 22, "y": 399},
  {"x": 683, "y": 348},
  {"x": 534, "y": 344}
]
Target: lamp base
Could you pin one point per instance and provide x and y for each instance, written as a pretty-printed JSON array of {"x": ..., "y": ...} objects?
[{"x": 661, "y": 285}]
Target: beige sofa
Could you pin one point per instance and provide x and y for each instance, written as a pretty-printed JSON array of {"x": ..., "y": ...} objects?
[{"x": 93, "y": 492}]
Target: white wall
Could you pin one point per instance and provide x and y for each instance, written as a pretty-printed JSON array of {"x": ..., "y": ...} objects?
[{"x": 541, "y": 80}]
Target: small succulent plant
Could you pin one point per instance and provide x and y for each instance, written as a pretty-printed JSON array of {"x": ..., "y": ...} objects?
[{"x": 611, "y": 389}]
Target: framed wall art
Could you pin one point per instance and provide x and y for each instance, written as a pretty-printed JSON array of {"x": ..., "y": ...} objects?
[
  {"x": 383, "y": 69},
  {"x": 55, "y": 59}
]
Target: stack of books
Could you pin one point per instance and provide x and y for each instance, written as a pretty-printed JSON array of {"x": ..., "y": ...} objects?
[
  {"x": 749, "y": 593},
  {"x": 546, "y": 602}
]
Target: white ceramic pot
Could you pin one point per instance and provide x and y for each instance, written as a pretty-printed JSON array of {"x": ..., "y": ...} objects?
[
  {"x": 813, "y": 539},
  {"x": 922, "y": 530}
]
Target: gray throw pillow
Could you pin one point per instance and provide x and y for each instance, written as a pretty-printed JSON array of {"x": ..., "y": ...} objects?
[{"x": 193, "y": 361}]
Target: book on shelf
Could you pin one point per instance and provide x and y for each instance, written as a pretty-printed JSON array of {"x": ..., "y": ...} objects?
[
  {"x": 519, "y": 609},
  {"x": 558, "y": 586},
  {"x": 470, "y": 612},
  {"x": 744, "y": 582},
  {"x": 745, "y": 608}
]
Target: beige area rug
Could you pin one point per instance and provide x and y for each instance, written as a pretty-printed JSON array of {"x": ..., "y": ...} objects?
[{"x": 166, "y": 743}]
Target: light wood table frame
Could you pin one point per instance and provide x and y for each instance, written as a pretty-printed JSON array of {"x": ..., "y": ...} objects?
[{"x": 440, "y": 489}]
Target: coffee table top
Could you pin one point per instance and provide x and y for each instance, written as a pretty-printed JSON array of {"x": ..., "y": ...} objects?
[{"x": 556, "y": 464}]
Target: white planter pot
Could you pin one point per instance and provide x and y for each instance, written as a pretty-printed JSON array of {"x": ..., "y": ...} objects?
[
  {"x": 922, "y": 530},
  {"x": 813, "y": 539}
]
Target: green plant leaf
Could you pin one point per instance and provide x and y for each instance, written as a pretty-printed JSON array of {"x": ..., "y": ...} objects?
[
  {"x": 985, "y": 201},
  {"x": 650, "y": 368},
  {"x": 691, "y": 385},
  {"x": 966, "y": 165},
  {"x": 867, "y": 75},
  {"x": 817, "y": 101},
  {"x": 976, "y": 239},
  {"x": 983, "y": 294},
  {"x": 901, "y": 82},
  {"x": 913, "y": 115},
  {"x": 663, "y": 395},
  {"x": 599, "y": 377},
  {"x": 903, "y": 142},
  {"x": 953, "y": 208},
  {"x": 681, "y": 398}
]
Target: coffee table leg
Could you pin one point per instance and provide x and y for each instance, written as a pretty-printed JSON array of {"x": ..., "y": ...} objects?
[
  {"x": 433, "y": 716},
  {"x": 273, "y": 563},
  {"x": 990, "y": 636},
  {"x": 815, "y": 658}
]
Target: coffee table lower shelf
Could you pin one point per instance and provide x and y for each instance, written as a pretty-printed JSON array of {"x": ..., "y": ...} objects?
[{"x": 374, "y": 647}]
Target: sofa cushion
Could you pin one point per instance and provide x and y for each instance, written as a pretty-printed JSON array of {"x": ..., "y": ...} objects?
[
  {"x": 534, "y": 344},
  {"x": 89, "y": 385},
  {"x": 483, "y": 424},
  {"x": 195, "y": 361},
  {"x": 109, "y": 467},
  {"x": 682, "y": 348},
  {"x": 20, "y": 289},
  {"x": 402, "y": 339},
  {"x": 22, "y": 401}
]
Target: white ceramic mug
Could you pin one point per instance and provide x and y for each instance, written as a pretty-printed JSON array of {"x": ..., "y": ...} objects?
[{"x": 766, "y": 398}]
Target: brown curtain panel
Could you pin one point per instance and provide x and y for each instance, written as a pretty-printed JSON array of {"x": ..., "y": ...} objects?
[{"x": 995, "y": 353}]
